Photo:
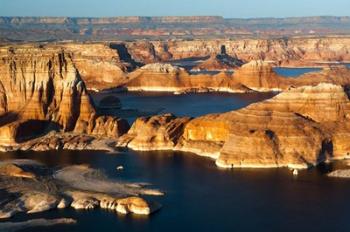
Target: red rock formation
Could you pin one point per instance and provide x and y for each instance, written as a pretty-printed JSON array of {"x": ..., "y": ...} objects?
[
  {"x": 41, "y": 88},
  {"x": 168, "y": 78},
  {"x": 218, "y": 62},
  {"x": 258, "y": 75},
  {"x": 253, "y": 76},
  {"x": 158, "y": 133},
  {"x": 291, "y": 52},
  {"x": 300, "y": 127},
  {"x": 99, "y": 66}
]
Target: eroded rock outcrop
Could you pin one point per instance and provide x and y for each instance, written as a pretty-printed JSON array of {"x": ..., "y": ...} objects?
[
  {"x": 79, "y": 187},
  {"x": 158, "y": 133},
  {"x": 300, "y": 127},
  {"x": 98, "y": 64},
  {"x": 41, "y": 90},
  {"x": 256, "y": 75},
  {"x": 168, "y": 78},
  {"x": 220, "y": 62}
]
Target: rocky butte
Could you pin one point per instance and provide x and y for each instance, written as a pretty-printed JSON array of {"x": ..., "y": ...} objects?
[
  {"x": 40, "y": 91},
  {"x": 298, "y": 128}
]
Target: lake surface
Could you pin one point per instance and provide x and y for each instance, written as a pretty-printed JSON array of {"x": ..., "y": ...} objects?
[
  {"x": 192, "y": 104},
  {"x": 201, "y": 197},
  {"x": 198, "y": 195},
  {"x": 294, "y": 72}
]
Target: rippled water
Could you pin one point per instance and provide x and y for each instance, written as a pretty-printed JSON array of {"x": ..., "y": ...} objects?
[{"x": 200, "y": 196}]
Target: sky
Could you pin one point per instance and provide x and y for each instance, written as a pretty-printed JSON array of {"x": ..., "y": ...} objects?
[{"x": 225, "y": 8}]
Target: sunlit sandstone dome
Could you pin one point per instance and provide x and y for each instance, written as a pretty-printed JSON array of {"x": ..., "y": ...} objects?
[{"x": 297, "y": 128}]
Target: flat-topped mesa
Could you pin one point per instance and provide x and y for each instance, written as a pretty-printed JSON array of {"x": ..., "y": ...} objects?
[
  {"x": 40, "y": 89},
  {"x": 168, "y": 78},
  {"x": 300, "y": 127},
  {"x": 258, "y": 75}
]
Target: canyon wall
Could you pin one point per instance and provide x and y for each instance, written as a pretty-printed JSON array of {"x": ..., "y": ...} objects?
[
  {"x": 41, "y": 90},
  {"x": 117, "y": 64},
  {"x": 289, "y": 52}
]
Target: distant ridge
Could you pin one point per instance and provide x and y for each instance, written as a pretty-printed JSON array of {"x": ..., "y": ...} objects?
[{"x": 167, "y": 27}]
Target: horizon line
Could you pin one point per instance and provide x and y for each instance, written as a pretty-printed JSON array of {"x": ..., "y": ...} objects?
[{"x": 180, "y": 16}]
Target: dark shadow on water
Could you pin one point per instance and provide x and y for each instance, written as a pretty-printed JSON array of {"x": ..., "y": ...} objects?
[{"x": 32, "y": 129}]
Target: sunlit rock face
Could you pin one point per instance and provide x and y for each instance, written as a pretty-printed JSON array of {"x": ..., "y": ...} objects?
[
  {"x": 155, "y": 133},
  {"x": 298, "y": 128},
  {"x": 165, "y": 77},
  {"x": 293, "y": 129},
  {"x": 99, "y": 66},
  {"x": 40, "y": 89},
  {"x": 258, "y": 75},
  {"x": 292, "y": 52}
]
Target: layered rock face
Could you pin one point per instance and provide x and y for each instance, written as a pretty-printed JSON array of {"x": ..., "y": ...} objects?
[
  {"x": 158, "y": 133},
  {"x": 291, "y": 52},
  {"x": 103, "y": 66},
  {"x": 40, "y": 89},
  {"x": 297, "y": 128},
  {"x": 99, "y": 65},
  {"x": 165, "y": 77},
  {"x": 256, "y": 75}
]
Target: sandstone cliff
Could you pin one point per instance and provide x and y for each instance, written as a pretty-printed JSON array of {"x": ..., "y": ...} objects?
[
  {"x": 300, "y": 127},
  {"x": 41, "y": 90},
  {"x": 256, "y": 75},
  {"x": 168, "y": 78},
  {"x": 289, "y": 52},
  {"x": 102, "y": 66},
  {"x": 99, "y": 65}
]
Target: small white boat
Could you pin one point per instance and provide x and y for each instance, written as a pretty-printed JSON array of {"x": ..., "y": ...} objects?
[
  {"x": 295, "y": 172},
  {"x": 120, "y": 168}
]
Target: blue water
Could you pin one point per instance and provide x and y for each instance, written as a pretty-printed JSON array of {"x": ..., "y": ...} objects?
[
  {"x": 294, "y": 72},
  {"x": 201, "y": 197},
  {"x": 192, "y": 105}
]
